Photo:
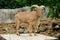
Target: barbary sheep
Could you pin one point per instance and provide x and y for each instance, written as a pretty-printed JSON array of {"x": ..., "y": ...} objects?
[{"x": 32, "y": 18}]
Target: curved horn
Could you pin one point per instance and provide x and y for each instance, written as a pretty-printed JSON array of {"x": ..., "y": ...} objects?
[
  {"x": 34, "y": 6},
  {"x": 42, "y": 6}
]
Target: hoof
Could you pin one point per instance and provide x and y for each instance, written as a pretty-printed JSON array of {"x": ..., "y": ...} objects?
[
  {"x": 35, "y": 34},
  {"x": 30, "y": 35},
  {"x": 18, "y": 34}
]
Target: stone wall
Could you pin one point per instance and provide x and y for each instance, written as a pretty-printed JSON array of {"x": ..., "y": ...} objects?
[{"x": 7, "y": 15}]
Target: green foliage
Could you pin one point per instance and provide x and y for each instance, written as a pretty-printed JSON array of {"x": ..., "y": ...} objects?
[
  {"x": 10, "y": 4},
  {"x": 22, "y": 2}
]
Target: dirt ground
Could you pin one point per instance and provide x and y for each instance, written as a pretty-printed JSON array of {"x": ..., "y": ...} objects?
[{"x": 10, "y": 28}]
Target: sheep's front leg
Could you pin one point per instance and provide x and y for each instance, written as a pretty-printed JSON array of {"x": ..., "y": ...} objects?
[
  {"x": 35, "y": 29},
  {"x": 36, "y": 26},
  {"x": 30, "y": 29}
]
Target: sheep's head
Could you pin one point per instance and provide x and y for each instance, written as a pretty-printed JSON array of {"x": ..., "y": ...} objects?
[
  {"x": 36, "y": 6},
  {"x": 39, "y": 10}
]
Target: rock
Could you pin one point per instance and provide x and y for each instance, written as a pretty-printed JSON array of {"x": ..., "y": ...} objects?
[
  {"x": 1, "y": 38},
  {"x": 58, "y": 36},
  {"x": 21, "y": 30},
  {"x": 42, "y": 28},
  {"x": 7, "y": 15},
  {"x": 55, "y": 26},
  {"x": 27, "y": 37}
]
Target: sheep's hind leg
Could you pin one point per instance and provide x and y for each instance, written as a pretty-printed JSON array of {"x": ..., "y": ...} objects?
[
  {"x": 17, "y": 30},
  {"x": 17, "y": 27}
]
